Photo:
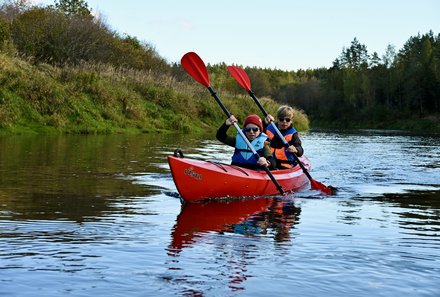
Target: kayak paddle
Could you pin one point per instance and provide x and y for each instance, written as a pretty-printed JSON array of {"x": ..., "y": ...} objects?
[
  {"x": 196, "y": 68},
  {"x": 242, "y": 78}
]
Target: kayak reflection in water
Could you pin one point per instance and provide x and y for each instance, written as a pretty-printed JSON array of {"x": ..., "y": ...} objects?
[
  {"x": 261, "y": 216},
  {"x": 278, "y": 219},
  {"x": 205, "y": 224}
]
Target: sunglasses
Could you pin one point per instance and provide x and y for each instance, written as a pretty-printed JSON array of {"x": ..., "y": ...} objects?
[
  {"x": 287, "y": 120},
  {"x": 255, "y": 130}
]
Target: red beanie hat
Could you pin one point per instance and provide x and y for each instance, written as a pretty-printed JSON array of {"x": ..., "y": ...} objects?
[{"x": 254, "y": 119}]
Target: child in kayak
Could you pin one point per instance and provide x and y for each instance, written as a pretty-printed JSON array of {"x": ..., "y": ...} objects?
[
  {"x": 243, "y": 156},
  {"x": 283, "y": 155}
]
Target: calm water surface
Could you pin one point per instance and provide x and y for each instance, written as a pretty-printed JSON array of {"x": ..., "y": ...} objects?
[{"x": 100, "y": 216}]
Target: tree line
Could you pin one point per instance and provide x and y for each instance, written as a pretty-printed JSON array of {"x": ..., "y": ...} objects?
[{"x": 360, "y": 89}]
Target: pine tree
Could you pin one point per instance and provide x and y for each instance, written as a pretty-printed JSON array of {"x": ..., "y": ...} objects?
[{"x": 73, "y": 7}]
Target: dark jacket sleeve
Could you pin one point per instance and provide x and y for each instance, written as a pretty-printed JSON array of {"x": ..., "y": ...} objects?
[
  {"x": 223, "y": 137},
  {"x": 269, "y": 157},
  {"x": 296, "y": 142}
]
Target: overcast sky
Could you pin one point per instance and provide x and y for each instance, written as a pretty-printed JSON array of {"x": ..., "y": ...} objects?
[{"x": 282, "y": 34}]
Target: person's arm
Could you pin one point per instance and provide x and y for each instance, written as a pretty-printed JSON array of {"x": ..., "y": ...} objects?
[
  {"x": 223, "y": 136},
  {"x": 267, "y": 121},
  {"x": 269, "y": 157},
  {"x": 296, "y": 142}
]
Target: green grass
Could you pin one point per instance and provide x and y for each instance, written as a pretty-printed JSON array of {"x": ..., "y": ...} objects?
[{"x": 99, "y": 99}]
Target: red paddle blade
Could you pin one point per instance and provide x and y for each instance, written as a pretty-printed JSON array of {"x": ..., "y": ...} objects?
[
  {"x": 240, "y": 76},
  {"x": 195, "y": 67},
  {"x": 316, "y": 185}
]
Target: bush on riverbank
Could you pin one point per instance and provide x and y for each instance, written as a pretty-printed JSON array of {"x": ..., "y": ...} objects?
[{"x": 93, "y": 98}]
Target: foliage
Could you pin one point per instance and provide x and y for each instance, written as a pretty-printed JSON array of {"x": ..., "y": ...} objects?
[
  {"x": 123, "y": 80},
  {"x": 67, "y": 33},
  {"x": 5, "y": 33},
  {"x": 363, "y": 90},
  {"x": 73, "y": 7},
  {"x": 92, "y": 98}
]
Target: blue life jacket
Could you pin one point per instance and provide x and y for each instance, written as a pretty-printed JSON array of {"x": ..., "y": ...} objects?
[{"x": 243, "y": 154}]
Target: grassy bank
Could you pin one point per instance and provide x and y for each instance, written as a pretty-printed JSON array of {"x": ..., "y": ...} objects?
[{"x": 102, "y": 99}]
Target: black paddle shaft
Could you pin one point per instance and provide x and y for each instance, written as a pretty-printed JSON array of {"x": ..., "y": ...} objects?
[
  {"x": 228, "y": 114},
  {"x": 286, "y": 144},
  {"x": 242, "y": 78},
  {"x": 258, "y": 103},
  {"x": 195, "y": 67},
  {"x": 214, "y": 94}
]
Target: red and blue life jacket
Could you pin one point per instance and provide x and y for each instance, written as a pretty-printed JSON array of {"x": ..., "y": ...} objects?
[{"x": 280, "y": 153}]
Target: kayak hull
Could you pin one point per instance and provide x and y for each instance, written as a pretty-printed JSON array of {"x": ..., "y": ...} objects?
[{"x": 200, "y": 180}]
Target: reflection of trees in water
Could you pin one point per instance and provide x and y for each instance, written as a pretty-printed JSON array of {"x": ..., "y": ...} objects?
[
  {"x": 83, "y": 176},
  {"x": 419, "y": 210},
  {"x": 350, "y": 212},
  {"x": 86, "y": 200},
  {"x": 218, "y": 223},
  {"x": 413, "y": 199},
  {"x": 68, "y": 206},
  {"x": 73, "y": 176}
]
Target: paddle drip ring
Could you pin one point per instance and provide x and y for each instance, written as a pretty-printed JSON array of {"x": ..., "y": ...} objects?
[{"x": 178, "y": 153}]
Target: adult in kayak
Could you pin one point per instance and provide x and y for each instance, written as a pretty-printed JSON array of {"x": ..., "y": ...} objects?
[
  {"x": 243, "y": 156},
  {"x": 283, "y": 155}
]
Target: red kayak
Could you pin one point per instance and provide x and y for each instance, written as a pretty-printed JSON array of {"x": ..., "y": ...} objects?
[{"x": 199, "y": 180}]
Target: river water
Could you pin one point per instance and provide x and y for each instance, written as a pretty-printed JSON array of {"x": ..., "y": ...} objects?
[{"x": 100, "y": 216}]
